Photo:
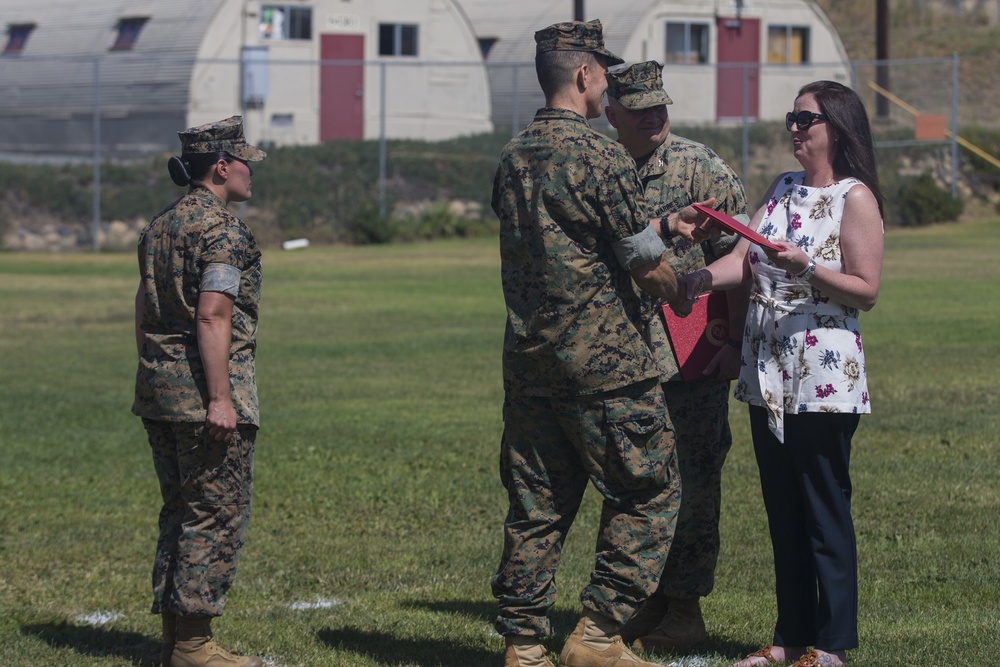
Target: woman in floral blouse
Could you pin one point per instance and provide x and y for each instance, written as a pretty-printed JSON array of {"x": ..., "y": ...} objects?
[{"x": 803, "y": 366}]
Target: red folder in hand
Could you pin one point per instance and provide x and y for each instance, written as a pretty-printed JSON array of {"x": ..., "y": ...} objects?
[
  {"x": 698, "y": 337},
  {"x": 734, "y": 225}
]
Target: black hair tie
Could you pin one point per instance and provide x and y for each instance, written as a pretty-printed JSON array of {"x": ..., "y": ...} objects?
[{"x": 179, "y": 171}]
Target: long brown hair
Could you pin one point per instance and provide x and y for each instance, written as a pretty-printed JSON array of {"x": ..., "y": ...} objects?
[{"x": 855, "y": 154}]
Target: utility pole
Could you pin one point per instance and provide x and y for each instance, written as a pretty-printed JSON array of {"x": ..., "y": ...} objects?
[
  {"x": 882, "y": 56},
  {"x": 578, "y": 10}
]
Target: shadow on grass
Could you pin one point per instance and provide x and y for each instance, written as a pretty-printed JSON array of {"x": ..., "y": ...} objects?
[
  {"x": 562, "y": 622},
  {"x": 135, "y": 648},
  {"x": 389, "y": 650}
]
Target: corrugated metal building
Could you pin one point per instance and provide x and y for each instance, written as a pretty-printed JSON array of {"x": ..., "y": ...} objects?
[
  {"x": 301, "y": 72},
  {"x": 723, "y": 59}
]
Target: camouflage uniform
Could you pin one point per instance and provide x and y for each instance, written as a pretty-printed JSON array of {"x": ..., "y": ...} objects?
[
  {"x": 581, "y": 394},
  {"x": 206, "y": 484},
  {"x": 677, "y": 173}
]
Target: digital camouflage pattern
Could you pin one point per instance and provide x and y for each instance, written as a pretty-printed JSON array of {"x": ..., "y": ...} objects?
[
  {"x": 221, "y": 136},
  {"x": 622, "y": 441},
  {"x": 565, "y": 194},
  {"x": 680, "y": 172},
  {"x": 699, "y": 411},
  {"x": 575, "y": 36},
  {"x": 638, "y": 86},
  {"x": 174, "y": 250},
  {"x": 206, "y": 487},
  {"x": 582, "y": 395}
]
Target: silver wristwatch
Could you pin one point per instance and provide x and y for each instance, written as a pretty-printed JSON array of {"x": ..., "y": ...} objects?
[{"x": 807, "y": 272}]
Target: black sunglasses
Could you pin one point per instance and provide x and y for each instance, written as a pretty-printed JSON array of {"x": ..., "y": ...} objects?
[
  {"x": 233, "y": 158},
  {"x": 803, "y": 119}
]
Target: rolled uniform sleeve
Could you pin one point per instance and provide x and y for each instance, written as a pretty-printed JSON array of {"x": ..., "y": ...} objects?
[
  {"x": 642, "y": 248},
  {"x": 218, "y": 277}
]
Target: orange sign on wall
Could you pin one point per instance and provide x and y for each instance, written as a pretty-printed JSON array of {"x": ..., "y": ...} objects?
[{"x": 929, "y": 127}]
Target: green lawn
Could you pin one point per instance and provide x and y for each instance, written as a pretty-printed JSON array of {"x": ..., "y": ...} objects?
[{"x": 378, "y": 505}]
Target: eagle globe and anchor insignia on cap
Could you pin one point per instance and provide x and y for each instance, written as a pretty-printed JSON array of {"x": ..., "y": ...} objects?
[
  {"x": 639, "y": 86},
  {"x": 220, "y": 136}
]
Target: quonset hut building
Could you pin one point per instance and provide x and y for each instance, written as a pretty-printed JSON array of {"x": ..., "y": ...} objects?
[
  {"x": 301, "y": 72},
  {"x": 723, "y": 59}
]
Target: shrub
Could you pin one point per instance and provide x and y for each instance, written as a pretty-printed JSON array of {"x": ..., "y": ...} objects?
[
  {"x": 919, "y": 201},
  {"x": 367, "y": 226},
  {"x": 3, "y": 222}
]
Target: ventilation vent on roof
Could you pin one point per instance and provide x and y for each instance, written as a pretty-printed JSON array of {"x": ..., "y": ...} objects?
[
  {"x": 128, "y": 32},
  {"x": 17, "y": 38}
]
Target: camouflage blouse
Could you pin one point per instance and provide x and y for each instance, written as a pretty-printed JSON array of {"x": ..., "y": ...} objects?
[
  {"x": 174, "y": 250},
  {"x": 565, "y": 194},
  {"x": 681, "y": 172}
]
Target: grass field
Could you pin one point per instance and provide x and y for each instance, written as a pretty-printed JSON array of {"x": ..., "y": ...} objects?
[{"x": 378, "y": 506}]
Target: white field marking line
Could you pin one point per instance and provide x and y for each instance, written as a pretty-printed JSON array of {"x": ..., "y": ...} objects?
[
  {"x": 98, "y": 618},
  {"x": 691, "y": 661},
  {"x": 320, "y": 603}
]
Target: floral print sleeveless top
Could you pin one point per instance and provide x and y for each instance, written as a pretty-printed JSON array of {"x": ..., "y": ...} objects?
[{"x": 801, "y": 351}]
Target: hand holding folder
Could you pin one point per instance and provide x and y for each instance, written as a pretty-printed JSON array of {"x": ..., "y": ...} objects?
[{"x": 733, "y": 225}]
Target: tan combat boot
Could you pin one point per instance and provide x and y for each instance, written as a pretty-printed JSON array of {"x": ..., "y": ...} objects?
[
  {"x": 525, "y": 652},
  {"x": 646, "y": 619},
  {"x": 681, "y": 628},
  {"x": 194, "y": 647},
  {"x": 169, "y": 623},
  {"x": 596, "y": 643}
]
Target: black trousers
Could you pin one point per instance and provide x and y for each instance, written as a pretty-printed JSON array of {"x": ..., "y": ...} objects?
[{"x": 807, "y": 494}]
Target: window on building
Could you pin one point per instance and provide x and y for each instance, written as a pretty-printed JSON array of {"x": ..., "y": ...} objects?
[
  {"x": 397, "y": 39},
  {"x": 687, "y": 43},
  {"x": 285, "y": 22},
  {"x": 787, "y": 44},
  {"x": 128, "y": 33},
  {"x": 17, "y": 38}
]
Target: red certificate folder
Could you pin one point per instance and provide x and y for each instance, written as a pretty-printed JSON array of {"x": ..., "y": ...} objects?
[
  {"x": 697, "y": 337},
  {"x": 734, "y": 225}
]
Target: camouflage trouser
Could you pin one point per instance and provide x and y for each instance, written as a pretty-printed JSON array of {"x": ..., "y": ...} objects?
[
  {"x": 622, "y": 441},
  {"x": 206, "y": 487},
  {"x": 700, "y": 412}
]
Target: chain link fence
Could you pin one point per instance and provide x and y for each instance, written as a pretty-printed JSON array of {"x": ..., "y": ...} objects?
[{"x": 115, "y": 109}]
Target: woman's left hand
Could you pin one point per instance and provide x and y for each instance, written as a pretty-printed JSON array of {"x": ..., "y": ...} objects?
[{"x": 791, "y": 258}]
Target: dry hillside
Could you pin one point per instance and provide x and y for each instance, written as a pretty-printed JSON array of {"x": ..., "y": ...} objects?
[{"x": 933, "y": 29}]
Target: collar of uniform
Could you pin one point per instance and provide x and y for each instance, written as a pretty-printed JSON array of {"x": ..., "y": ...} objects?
[
  {"x": 657, "y": 162},
  {"x": 551, "y": 113},
  {"x": 204, "y": 193}
]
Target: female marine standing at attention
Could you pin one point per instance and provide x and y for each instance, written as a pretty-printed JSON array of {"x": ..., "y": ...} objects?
[{"x": 195, "y": 324}]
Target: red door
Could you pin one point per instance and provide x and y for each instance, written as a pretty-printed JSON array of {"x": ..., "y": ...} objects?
[
  {"x": 342, "y": 87},
  {"x": 738, "y": 57}
]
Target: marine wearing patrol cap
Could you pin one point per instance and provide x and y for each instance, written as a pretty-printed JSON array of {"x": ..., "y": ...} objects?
[
  {"x": 638, "y": 86},
  {"x": 224, "y": 135},
  {"x": 575, "y": 36}
]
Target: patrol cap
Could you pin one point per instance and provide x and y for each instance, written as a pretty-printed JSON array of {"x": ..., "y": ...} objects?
[
  {"x": 224, "y": 135},
  {"x": 575, "y": 36},
  {"x": 638, "y": 86}
]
